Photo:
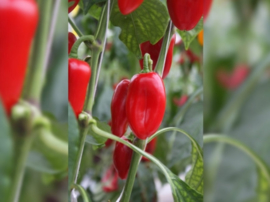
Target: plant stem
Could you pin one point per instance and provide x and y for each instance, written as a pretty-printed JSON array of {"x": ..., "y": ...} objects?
[
  {"x": 90, "y": 97},
  {"x": 132, "y": 171},
  {"x": 164, "y": 49},
  {"x": 258, "y": 161},
  {"x": 83, "y": 134},
  {"x": 21, "y": 149},
  {"x": 35, "y": 77},
  {"x": 73, "y": 25},
  {"x": 100, "y": 37}
]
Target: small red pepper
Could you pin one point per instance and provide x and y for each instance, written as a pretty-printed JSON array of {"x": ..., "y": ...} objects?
[
  {"x": 122, "y": 158},
  {"x": 128, "y": 6},
  {"x": 118, "y": 109},
  {"x": 110, "y": 180},
  {"x": 154, "y": 51},
  {"x": 72, "y": 4},
  {"x": 79, "y": 73},
  {"x": 150, "y": 148},
  {"x": 181, "y": 101},
  {"x": 109, "y": 141},
  {"x": 231, "y": 80},
  {"x": 71, "y": 40},
  {"x": 184, "y": 14},
  {"x": 145, "y": 104},
  {"x": 18, "y": 23}
]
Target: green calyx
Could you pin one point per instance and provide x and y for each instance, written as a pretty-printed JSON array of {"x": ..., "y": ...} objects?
[{"x": 147, "y": 64}]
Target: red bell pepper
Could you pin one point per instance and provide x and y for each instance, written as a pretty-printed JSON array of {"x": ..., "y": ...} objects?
[
  {"x": 71, "y": 40},
  {"x": 18, "y": 23},
  {"x": 72, "y": 4},
  {"x": 110, "y": 180},
  {"x": 150, "y": 148},
  {"x": 145, "y": 104},
  {"x": 154, "y": 51},
  {"x": 79, "y": 73},
  {"x": 128, "y": 6},
  {"x": 184, "y": 14},
  {"x": 122, "y": 158}
]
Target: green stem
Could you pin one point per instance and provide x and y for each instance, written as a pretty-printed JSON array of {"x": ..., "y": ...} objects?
[
  {"x": 132, "y": 171},
  {"x": 90, "y": 97},
  {"x": 73, "y": 25},
  {"x": 35, "y": 78},
  {"x": 21, "y": 149},
  {"x": 82, "y": 192},
  {"x": 86, "y": 38},
  {"x": 147, "y": 63},
  {"x": 258, "y": 161},
  {"x": 164, "y": 49},
  {"x": 53, "y": 142},
  {"x": 83, "y": 134}
]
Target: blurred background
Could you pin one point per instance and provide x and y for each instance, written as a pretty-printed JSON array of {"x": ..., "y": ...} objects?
[
  {"x": 237, "y": 99},
  {"x": 97, "y": 174}
]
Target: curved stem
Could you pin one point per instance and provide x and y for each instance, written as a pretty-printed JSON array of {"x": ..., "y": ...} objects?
[
  {"x": 73, "y": 25},
  {"x": 181, "y": 131},
  {"x": 21, "y": 149},
  {"x": 54, "y": 143},
  {"x": 164, "y": 49},
  {"x": 258, "y": 161},
  {"x": 35, "y": 77},
  {"x": 83, "y": 134},
  {"x": 132, "y": 171},
  {"x": 74, "y": 50},
  {"x": 82, "y": 192}
]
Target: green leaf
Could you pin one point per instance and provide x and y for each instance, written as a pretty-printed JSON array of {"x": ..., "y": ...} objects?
[
  {"x": 146, "y": 23},
  {"x": 95, "y": 139},
  {"x": 95, "y": 11},
  {"x": 181, "y": 191},
  {"x": 5, "y": 154},
  {"x": 263, "y": 188},
  {"x": 195, "y": 176},
  {"x": 87, "y": 4},
  {"x": 189, "y": 36},
  {"x": 73, "y": 142}
]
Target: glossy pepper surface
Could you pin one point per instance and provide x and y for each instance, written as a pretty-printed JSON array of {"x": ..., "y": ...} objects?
[
  {"x": 145, "y": 104},
  {"x": 18, "y": 23},
  {"x": 71, "y": 40},
  {"x": 185, "y": 14},
  {"x": 122, "y": 158},
  {"x": 72, "y": 4},
  {"x": 128, "y": 6},
  {"x": 118, "y": 109},
  {"x": 154, "y": 51},
  {"x": 150, "y": 148},
  {"x": 79, "y": 73}
]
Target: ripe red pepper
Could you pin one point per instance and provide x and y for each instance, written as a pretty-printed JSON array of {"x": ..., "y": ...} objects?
[
  {"x": 231, "y": 80},
  {"x": 150, "y": 148},
  {"x": 118, "y": 109},
  {"x": 145, "y": 104},
  {"x": 185, "y": 14},
  {"x": 122, "y": 158},
  {"x": 79, "y": 73},
  {"x": 71, "y": 40},
  {"x": 18, "y": 23},
  {"x": 154, "y": 51},
  {"x": 128, "y": 6},
  {"x": 72, "y": 4},
  {"x": 181, "y": 101},
  {"x": 109, "y": 180}
]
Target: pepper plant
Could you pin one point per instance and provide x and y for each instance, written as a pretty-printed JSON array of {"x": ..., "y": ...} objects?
[{"x": 146, "y": 105}]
